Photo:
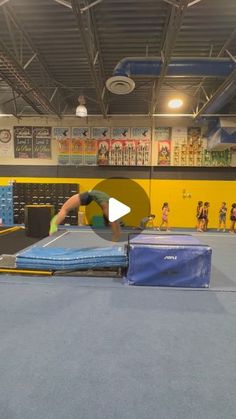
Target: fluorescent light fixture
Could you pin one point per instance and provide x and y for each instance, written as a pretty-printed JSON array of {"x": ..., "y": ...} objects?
[{"x": 175, "y": 103}]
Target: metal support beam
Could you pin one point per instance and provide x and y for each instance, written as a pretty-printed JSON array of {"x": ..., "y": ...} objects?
[
  {"x": 98, "y": 83},
  {"x": 172, "y": 30},
  {"x": 222, "y": 51},
  {"x": 193, "y": 2},
  {"x": 16, "y": 77},
  {"x": 225, "y": 86},
  {"x": 231, "y": 56},
  {"x": 29, "y": 61},
  {"x": 34, "y": 49},
  {"x": 14, "y": 99},
  {"x": 2, "y": 2},
  {"x": 172, "y": 2},
  {"x": 205, "y": 93},
  {"x": 83, "y": 9},
  {"x": 23, "y": 95},
  {"x": 227, "y": 42},
  {"x": 64, "y": 3},
  {"x": 11, "y": 32},
  {"x": 55, "y": 91}
]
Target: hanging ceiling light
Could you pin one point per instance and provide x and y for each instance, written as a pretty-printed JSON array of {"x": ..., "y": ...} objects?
[
  {"x": 175, "y": 103},
  {"x": 81, "y": 109}
]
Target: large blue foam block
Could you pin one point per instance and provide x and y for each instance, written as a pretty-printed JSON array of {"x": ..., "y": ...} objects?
[
  {"x": 71, "y": 259},
  {"x": 168, "y": 260}
]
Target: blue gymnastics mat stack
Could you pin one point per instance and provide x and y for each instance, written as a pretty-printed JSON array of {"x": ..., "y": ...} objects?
[
  {"x": 56, "y": 259},
  {"x": 168, "y": 260}
]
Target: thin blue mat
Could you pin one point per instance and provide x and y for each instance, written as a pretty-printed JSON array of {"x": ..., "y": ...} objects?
[{"x": 67, "y": 259}]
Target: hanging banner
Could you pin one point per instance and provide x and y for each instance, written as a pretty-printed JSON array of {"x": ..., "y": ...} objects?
[
  {"x": 100, "y": 133},
  {"x": 82, "y": 133},
  {"x": 42, "y": 142},
  {"x": 62, "y": 136},
  {"x": 164, "y": 153},
  {"x": 90, "y": 152},
  {"x": 120, "y": 133},
  {"x": 116, "y": 153},
  {"x": 162, "y": 133},
  {"x": 179, "y": 146},
  {"x": 129, "y": 153},
  {"x": 6, "y": 143},
  {"x": 78, "y": 136},
  {"x": 103, "y": 152},
  {"x": 143, "y": 150},
  {"x": 77, "y": 152},
  {"x": 141, "y": 133},
  {"x": 23, "y": 142},
  {"x": 195, "y": 146}
]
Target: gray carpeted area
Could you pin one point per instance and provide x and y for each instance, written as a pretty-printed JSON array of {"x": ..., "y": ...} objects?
[
  {"x": 71, "y": 350},
  {"x": 92, "y": 348}
]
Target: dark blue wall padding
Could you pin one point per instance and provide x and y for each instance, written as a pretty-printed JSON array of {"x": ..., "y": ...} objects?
[
  {"x": 71, "y": 259},
  {"x": 168, "y": 260}
]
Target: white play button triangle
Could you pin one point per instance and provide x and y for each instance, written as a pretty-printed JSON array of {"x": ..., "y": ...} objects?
[{"x": 117, "y": 209}]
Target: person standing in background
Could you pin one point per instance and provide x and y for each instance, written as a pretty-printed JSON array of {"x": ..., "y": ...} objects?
[
  {"x": 232, "y": 219},
  {"x": 222, "y": 216},
  {"x": 205, "y": 215},
  {"x": 199, "y": 215},
  {"x": 164, "y": 220}
]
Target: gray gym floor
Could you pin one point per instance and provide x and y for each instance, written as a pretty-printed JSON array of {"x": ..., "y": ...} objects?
[{"x": 92, "y": 348}]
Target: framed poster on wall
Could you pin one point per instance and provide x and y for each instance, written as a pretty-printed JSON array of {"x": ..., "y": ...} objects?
[
  {"x": 42, "y": 142},
  {"x": 23, "y": 142},
  {"x": 63, "y": 139}
]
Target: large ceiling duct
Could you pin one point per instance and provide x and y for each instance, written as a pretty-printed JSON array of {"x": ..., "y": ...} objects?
[
  {"x": 178, "y": 67},
  {"x": 121, "y": 81}
]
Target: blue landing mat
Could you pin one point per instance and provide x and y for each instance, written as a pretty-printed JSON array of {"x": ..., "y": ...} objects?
[
  {"x": 168, "y": 261},
  {"x": 67, "y": 259}
]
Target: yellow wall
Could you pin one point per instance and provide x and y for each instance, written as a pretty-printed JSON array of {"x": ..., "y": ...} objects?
[{"x": 182, "y": 196}]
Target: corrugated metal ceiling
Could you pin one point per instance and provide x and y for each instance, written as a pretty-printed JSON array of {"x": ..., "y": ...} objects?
[{"x": 61, "y": 42}]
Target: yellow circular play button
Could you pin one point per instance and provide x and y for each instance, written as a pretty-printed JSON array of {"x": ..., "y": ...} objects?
[{"x": 127, "y": 203}]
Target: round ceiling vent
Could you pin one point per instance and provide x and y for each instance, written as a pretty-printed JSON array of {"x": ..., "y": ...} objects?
[{"x": 120, "y": 85}]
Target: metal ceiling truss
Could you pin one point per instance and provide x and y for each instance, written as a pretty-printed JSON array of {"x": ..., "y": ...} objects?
[
  {"x": 223, "y": 49},
  {"x": 23, "y": 94},
  {"x": 46, "y": 75},
  {"x": 90, "y": 43},
  {"x": 2, "y": 2},
  {"x": 83, "y": 9},
  {"x": 172, "y": 30},
  {"x": 226, "y": 85},
  {"x": 16, "y": 77},
  {"x": 177, "y": 3}
]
